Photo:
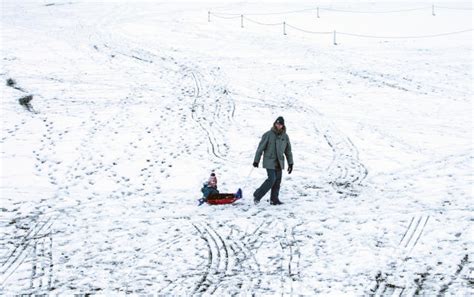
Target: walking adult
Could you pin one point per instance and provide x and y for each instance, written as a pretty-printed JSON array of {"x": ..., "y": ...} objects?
[{"x": 274, "y": 145}]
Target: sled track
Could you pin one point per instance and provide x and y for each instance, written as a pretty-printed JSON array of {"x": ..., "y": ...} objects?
[
  {"x": 288, "y": 261},
  {"x": 386, "y": 80},
  {"x": 235, "y": 280},
  {"x": 346, "y": 169},
  {"x": 386, "y": 284},
  {"x": 464, "y": 263},
  {"x": 346, "y": 172},
  {"x": 35, "y": 247},
  {"x": 210, "y": 137},
  {"x": 291, "y": 249},
  {"x": 232, "y": 268},
  {"x": 246, "y": 265},
  {"x": 42, "y": 266},
  {"x": 249, "y": 245},
  {"x": 206, "y": 126},
  {"x": 218, "y": 261},
  {"x": 209, "y": 112}
]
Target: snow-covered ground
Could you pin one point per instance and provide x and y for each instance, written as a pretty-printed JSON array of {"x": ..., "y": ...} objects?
[{"x": 136, "y": 102}]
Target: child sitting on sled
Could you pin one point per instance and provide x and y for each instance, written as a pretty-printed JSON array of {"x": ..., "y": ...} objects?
[
  {"x": 212, "y": 196},
  {"x": 210, "y": 187}
]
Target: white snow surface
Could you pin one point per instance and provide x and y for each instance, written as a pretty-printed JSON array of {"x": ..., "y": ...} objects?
[{"x": 134, "y": 103}]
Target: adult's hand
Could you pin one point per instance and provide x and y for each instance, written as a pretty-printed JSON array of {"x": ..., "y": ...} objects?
[
  {"x": 255, "y": 164},
  {"x": 290, "y": 168}
]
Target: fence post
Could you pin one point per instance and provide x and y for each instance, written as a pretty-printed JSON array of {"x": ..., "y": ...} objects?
[
  {"x": 208, "y": 16},
  {"x": 241, "y": 21},
  {"x": 433, "y": 10},
  {"x": 335, "y": 37},
  {"x": 284, "y": 28},
  {"x": 318, "y": 12}
]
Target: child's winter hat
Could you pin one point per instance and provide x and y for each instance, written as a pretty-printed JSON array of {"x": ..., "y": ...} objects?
[{"x": 212, "y": 182}]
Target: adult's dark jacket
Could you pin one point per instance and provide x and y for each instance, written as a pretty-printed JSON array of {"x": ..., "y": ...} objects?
[{"x": 273, "y": 146}]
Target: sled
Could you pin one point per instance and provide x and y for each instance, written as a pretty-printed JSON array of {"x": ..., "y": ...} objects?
[{"x": 222, "y": 198}]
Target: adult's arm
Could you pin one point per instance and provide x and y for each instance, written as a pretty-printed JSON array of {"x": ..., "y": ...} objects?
[
  {"x": 288, "y": 153},
  {"x": 261, "y": 147}
]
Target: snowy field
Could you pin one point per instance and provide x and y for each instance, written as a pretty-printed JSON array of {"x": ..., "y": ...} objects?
[{"x": 134, "y": 103}]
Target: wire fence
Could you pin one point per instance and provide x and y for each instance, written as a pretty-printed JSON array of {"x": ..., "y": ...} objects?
[
  {"x": 307, "y": 31},
  {"x": 272, "y": 13},
  {"x": 376, "y": 12},
  {"x": 406, "y": 37},
  {"x": 224, "y": 17},
  {"x": 431, "y": 7},
  {"x": 334, "y": 32},
  {"x": 453, "y": 8},
  {"x": 262, "y": 24}
]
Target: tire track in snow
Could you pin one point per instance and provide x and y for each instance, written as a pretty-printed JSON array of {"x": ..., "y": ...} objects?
[
  {"x": 212, "y": 109},
  {"x": 215, "y": 148},
  {"x": 42, "y": 266},
  {"x": 26, "y": 248},
  {"x": 269, "y": 236},
  {"x": 245, "y": 265},
  {"x": 240, "y": 273},
  {"x": 232, "y": 267},
  {"x": 465, "y": 264},
  {"x": 218, "y": 260},
  {"x": 389, "y": 283},
  {"x": 346, "y": 172},
  {"x": 290, "y": 245}
]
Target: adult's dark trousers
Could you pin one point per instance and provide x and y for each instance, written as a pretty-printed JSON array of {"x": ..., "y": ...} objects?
[{"x": 272, "y": 182}]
